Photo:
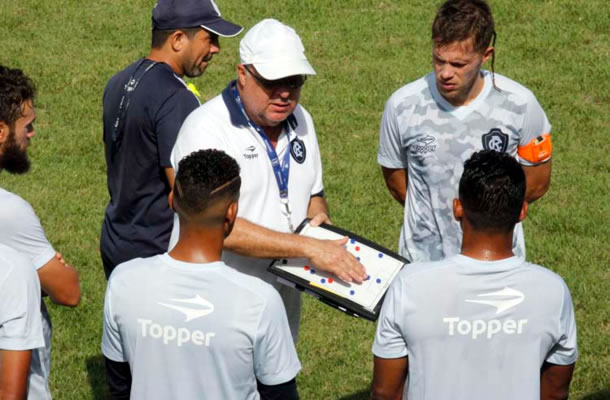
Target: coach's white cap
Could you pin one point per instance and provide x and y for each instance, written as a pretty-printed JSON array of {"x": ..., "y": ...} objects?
[{"x": 275, "y": 50}]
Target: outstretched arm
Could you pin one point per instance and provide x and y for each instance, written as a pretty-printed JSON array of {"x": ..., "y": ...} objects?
[
  {"x": 14, "y": 368},
  {"x": 396, "y": 181},
  {"x": 254, "y": 240}
]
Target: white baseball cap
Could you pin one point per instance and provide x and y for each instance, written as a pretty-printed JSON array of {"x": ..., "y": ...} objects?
[{"x": 275, "y": 50}]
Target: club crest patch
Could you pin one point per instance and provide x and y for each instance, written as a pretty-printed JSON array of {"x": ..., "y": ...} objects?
[
  {"x": 495, "y": 140},
  {"x": 298, "y": 151}
]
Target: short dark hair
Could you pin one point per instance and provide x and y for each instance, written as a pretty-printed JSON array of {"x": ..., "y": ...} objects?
[
  {"x": 459, "y": 20},
  {"x": 15, "y": 90},
  {"x": 159, "y": 37},
  {"x": 492, "y": 190},
  {"x": 204, "y": 176}
]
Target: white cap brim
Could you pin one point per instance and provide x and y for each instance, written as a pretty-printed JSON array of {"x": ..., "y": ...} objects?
[{"x": 283, "y": 68}]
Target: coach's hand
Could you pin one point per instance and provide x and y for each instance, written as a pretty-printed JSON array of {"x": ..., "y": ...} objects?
[
  {"x": 319, "y": 219},
  {"x": 332, "y": 256}
]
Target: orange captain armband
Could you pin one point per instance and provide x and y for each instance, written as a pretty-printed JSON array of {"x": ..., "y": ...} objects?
[{"x": 538, "y": 150}]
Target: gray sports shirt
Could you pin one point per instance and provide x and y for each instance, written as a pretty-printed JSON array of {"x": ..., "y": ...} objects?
[
  {"x": 430, "y": 138},
  {"x": 196, "y": 331},
  {"x": 475, "y": 329}
]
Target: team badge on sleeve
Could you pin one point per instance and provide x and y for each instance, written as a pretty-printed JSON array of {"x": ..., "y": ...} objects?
[
  {"x": 495, "y": 140},
  {"x": 298, "y": 151}
]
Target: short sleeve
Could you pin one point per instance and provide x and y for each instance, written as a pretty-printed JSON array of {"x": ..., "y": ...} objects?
[
  {"x": 112, "y": 346},
  {"x": 20, "y": 318},
  {"x": 169, "y": 119},
  {"x": 389, "y": 340},
  {"x": 318, "y": 183},
  {"x": 390, "y": 153},
  {"x": 535, "y": 123},
  {"x": 21, "y": 230},
  {"x": 197, "y": 133},
  {"x": 275, "y": 358},
  {"x": 565, "y": 351}
]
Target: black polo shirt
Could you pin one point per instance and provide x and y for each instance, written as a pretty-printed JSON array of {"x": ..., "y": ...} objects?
[{"x": 138, "y": 220}]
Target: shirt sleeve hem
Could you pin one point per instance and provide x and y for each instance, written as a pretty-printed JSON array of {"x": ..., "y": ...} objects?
[
  {"x": 112, "y": 354},
  {"x": 389, "y": 163},
  {"x": 383, "y": 354},
  {"x": 562, "y": 360},
  {"x": 284, "y": 376},
  {"x": 43, "y": 258},
  {"x": 20, "y": 344}
]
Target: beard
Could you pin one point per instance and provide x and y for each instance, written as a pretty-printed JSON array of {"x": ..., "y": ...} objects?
[{"x": 12, "y": 158}]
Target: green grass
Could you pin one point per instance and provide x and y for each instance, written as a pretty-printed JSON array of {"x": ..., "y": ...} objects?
[{"x": 363, "y": 50}]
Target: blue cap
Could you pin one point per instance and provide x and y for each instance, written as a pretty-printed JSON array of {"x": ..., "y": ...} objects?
[{"x": 176, "y": 14}]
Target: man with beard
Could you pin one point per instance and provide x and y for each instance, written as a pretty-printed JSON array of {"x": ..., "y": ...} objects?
[
  {"x": 144, "y": 107},
  {"x": 20, "y": 227}
]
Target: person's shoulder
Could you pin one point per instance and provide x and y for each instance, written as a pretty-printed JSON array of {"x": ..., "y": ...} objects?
[
  {"x": 210, "y": 110},
  {"x": 14, "y": 207},
  {"x": 513, "y": 88},
  {"x": 10, "y": 199},
  {"x": 132, "y": 270},
  {"x": 413, "y": 92},
  {"x": 547, "y": 279},
  {"x": 208, "y": 118},
  {"x": 255, "y": 287}
]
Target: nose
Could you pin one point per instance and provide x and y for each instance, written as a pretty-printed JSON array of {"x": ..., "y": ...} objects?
[{"x": 446, "y": 72}]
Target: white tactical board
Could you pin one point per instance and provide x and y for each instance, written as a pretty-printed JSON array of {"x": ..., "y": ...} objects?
[{"x": 365, "y": 299}]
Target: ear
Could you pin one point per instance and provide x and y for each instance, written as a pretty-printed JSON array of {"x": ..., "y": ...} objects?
[
  {"x": 487, "y": 54},
  {"x": 458, "y": 211},
  {"x": 170, "y": 200},
  {"x": 230, "y": 218},
  {"x": 4, "y": 131},
  {"x": 523, "y": 213},
  {"x": 241, "y": 75},
  {"x": 178, "y": 41}
]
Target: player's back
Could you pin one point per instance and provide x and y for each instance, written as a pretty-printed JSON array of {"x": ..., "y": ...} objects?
[
  {"x": 482, "y": 330},
  {"x": 194, "y": 331}
]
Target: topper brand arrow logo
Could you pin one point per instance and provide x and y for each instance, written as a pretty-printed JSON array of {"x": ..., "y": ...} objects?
[
  {"x": 191, "y": 313},
  {"x": 510, "y": 298}
]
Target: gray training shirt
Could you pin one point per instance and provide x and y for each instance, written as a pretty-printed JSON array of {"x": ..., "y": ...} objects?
[
  {"x": 428, "y": 137},
  {"x": 477, "y": 330},
  {"x": 196, "y": 331}
]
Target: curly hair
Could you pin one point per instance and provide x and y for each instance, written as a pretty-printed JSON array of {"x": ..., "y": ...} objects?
[
  {"x": 492, "y": 190},
  {"x": 203, "y": 176},
  {"x": 15, "y": 90}
]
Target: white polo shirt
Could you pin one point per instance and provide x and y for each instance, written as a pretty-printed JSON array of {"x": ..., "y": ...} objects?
[
  {"x": 21, "y": 230},
  {"x": 220, "y": 124}
]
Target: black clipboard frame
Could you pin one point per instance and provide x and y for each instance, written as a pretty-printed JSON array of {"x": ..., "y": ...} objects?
[{"x": 342, "y": 304}]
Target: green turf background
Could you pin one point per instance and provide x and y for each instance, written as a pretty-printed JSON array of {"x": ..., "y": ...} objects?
[{"x": 363, "y": 50}]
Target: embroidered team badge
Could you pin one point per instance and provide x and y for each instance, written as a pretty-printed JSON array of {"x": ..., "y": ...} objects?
[
  {"x": 495, "y": 140},
  {"x": 298, "y": 151}
]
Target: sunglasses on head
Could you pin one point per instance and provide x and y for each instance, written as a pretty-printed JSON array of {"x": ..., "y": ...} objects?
[{"x": 291, "y": 82}]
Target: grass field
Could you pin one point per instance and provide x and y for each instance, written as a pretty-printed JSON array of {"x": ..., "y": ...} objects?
[{"x": 363, "y": 50}]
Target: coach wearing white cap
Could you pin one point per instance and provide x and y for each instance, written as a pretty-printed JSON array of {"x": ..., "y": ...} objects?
[{"x": 257, "y": 120}]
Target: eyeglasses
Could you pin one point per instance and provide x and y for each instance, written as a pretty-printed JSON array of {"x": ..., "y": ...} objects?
[{"x": 291, "y": 82}]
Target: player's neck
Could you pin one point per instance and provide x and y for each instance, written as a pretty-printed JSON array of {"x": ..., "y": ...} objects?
[
  {"x": 487, "y": 246},
  {"x": 160, "y": 55},
  {"x": 198, "y": 245}
]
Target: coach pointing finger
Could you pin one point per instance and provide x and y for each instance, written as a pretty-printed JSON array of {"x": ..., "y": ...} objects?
[{"x": 258, "y": 121}]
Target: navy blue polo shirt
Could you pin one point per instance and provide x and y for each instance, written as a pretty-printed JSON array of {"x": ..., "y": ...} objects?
[{"x": 138, "y": 220}]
